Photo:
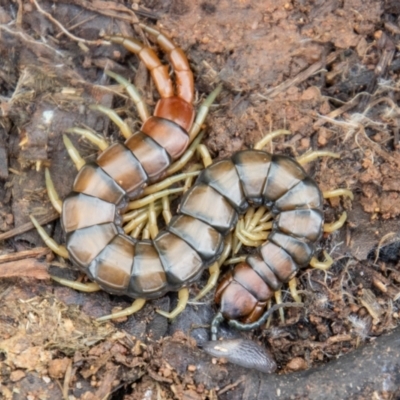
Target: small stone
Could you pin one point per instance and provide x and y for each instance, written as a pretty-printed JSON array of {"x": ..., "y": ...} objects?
[{"x": 17, "y": 375}]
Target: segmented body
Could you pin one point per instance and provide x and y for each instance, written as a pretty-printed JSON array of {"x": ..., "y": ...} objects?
[{"x": 194, "y": 238}]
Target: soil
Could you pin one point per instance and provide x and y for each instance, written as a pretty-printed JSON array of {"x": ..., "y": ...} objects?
[{"x": 328, "y": 71}]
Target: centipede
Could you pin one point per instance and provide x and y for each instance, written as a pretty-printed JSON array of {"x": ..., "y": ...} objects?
[{"x": 196, "y": 237}]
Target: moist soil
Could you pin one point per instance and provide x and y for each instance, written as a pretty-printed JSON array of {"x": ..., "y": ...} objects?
[{"x": 327, "y": 71}]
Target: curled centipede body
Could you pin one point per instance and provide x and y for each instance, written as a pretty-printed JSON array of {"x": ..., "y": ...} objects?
[{"x": 196, "y": 236}]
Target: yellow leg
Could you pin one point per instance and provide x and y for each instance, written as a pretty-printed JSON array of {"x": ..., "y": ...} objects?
[
  {"x": 94, "y": 138},
  {"x": 183, "y": 295},
  {"x": 204, "y": 154},
  {"x": 51, "y": 243},
  {"x": 203, "y": 111},
  {"x": 215, "y": 270},
  {"x": 88, "y": 287},
  {"x": 310, "y": 156},
  {"x": 235, "y": 260},
  {"x": 166, "y": 210},
  {"x": 51, "y": 192},
  {"x": 243, "y": 237},
  {"x": 153, "y": 228},
  {"x": 152, "y": 197},
  {"x": 267, "y": 138},
  {"x": 338, "y": 192},
  {"x": 248, "y": 216},
  {"x": 323, "y": 265},
  {"x": 334, "y": 226},
  {"x": 278, "y": 300},
  {"x": 135, "y": 307},
  {"x": 168, "y": 182},
  {"x": 138, "y": 230},
  {"x": 133, "y": 94},
  {"x": 123, "y": 126},
  {"x": 189, "y": 180},
  {"x": 73, "y": 153},
  {"x": 146, "y": 232},
  {"x": 187, "y": 155},
  {"x": 293, "y": 290}
]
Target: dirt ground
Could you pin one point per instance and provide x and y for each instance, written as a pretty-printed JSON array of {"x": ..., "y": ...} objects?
[{"x": 327, "y": 70}]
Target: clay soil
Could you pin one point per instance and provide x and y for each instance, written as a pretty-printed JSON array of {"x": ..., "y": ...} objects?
[{"x": 328, "y": 71}]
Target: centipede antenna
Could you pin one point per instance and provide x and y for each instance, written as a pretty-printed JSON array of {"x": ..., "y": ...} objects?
[
  {"x": 123, "y": 126},
  {"x": 248, "y": 327},
  {"x": 203, "y": 111},
  {"x": 216, "y": 322},
  {"x": 133, "y": 93},
  {"x": 89, "y": 135}
]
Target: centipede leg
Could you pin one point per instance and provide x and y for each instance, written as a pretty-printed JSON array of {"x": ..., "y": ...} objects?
[
  {"x": 51, "y": 243},
  {"x": 293, "y": 290},
  {"x": 134, "y": 308},
  {"x": 278, "y": 300},
  {"x": 183, "y": 297},
  {"x": 310, "y": 156},
  {"x": 338, "y": 192},
  {"x": 334, "y": 226},
  {"x": 169, "y": 181},
  {"x": 97, "y": 140},
  {"x": 166, "y": 209},
  {"x": 133, "y": 93},
  {"x": 205, "y": 155},
  {"x": 203, "y": 111},
  {"x": 153, "y": 228},
  {"x": 187, "y": 155},
  {"x": 51, "y": 192},
  {"x": 323, "y": 265},
  {"x": 151, "y": 198},
  {"x": 122, "y": 125},
  {"x": 73, "y": 153},
  {"x": 88, "y": 287},
  {"x": 269, "y": 137},
  {"x": 215, "y": 270}
]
